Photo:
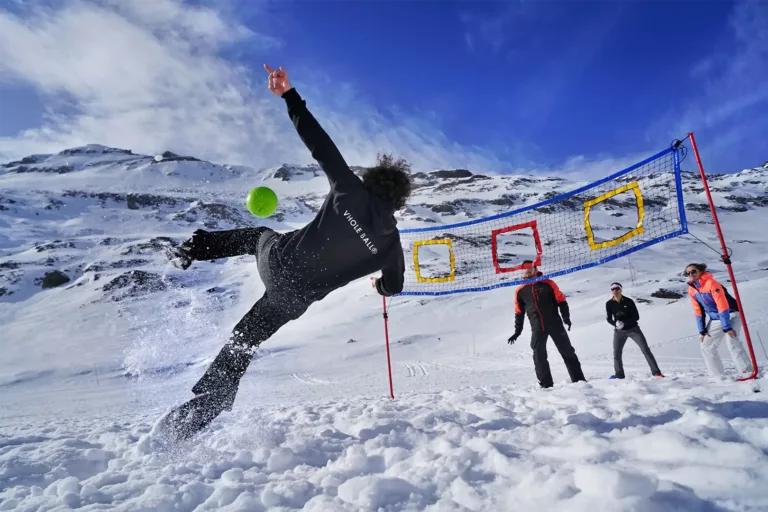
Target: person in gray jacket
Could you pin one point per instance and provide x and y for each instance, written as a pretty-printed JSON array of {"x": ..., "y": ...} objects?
[{"x": 623, "y": 315}]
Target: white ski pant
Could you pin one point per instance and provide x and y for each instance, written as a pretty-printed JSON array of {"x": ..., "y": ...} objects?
[{"x": 712, "y": 342}]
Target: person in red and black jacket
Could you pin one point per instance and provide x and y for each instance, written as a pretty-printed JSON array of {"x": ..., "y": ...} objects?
[{"x": 544, "y": 304}]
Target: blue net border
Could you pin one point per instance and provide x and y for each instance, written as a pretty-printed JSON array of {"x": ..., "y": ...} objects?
[{"x": 682, "y": 231}]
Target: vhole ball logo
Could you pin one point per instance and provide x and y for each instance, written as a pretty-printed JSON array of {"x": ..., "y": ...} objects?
[{"x": 359, "y": 230}]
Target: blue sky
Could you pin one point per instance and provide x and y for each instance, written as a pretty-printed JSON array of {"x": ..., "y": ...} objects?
[{"x": 531, "y": 85}]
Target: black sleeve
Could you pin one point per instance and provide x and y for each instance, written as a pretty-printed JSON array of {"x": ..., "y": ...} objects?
[
  {"x": 608, "y": 314},
  {"x": 519, "y": 318},
  {"x": 519, "y": 313},
  {"x": 392, "y": 273},
  {"x": 318, "y": 142},
  {"x": 634, "y": 313},
  {"x": 564, "y": 311}
]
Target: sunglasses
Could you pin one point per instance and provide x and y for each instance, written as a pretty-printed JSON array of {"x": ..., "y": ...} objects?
[
  {"x": 691, "y": 273},
  {"x": 614, "y": 289}
]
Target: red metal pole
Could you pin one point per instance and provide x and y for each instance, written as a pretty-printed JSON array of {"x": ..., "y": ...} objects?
[
  {"x": 386, "y": 337},
  {"x": 726, "y": 260}
]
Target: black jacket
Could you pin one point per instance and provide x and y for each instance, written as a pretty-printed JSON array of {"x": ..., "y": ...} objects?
[
  {"x": 544, "y": 303},
  {"x": 355, "y": 232},
  {"x": 626, "y": 311}
]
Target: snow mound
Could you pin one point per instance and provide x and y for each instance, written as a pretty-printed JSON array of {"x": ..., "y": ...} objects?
[{"x": 650, "y": 445}]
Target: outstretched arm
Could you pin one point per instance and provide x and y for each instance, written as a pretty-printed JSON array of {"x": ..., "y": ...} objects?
[{"x": 319, "y": 143}]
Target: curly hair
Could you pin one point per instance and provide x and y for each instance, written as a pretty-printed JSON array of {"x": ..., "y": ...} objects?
[{"x": 389, "y": 179}]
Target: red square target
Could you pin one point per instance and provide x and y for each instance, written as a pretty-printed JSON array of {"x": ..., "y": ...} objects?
[{"x": 494, "y": 245}]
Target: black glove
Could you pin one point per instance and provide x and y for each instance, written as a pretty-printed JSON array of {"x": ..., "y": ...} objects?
[
  {"x": 379, "y": 285},
  {"x": 568, "y": 323},
  {"x": 198, "y": 246},
  {"x": 512, "y": 338}
]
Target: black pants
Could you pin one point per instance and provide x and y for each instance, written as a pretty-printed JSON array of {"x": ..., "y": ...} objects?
[
  {"x": 283, "y": 300},
  {"x": 620, "y": 338},
  {"x": 563, "y": 344}
]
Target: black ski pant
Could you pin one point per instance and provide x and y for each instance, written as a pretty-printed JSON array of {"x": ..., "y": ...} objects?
[
  {"x": 620, "y": 338},
  {"x": 563, "y": 343},
  {"x": 283, "y": 300}
]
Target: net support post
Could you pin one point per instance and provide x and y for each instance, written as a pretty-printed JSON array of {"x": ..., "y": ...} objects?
[{"x": 726, "y": 259}]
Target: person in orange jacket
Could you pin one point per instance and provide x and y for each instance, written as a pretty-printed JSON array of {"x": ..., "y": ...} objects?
[{"x": 710, "y": 298}]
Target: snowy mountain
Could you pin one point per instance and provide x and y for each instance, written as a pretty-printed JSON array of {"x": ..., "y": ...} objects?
[
  {"x": 101, "y": 335},
  {"x": 57, "y": 205}
]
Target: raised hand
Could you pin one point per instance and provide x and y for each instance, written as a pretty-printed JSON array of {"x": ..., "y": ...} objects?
[{"x": 278, "y": 80}]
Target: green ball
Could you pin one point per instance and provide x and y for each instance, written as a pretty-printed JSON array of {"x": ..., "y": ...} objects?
[{"x": 261, "y": 201}]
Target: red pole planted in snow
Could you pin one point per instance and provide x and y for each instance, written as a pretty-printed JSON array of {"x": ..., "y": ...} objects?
[
  {"x": 726, "y": 259},
  {"x": 386, "y": 337}
]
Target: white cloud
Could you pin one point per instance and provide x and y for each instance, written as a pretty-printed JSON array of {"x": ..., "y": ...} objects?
[
  {"x": 586, "y": 169},
  {"x": 148, "y": 75},
  {"x": 729, "y": 108},
  {"x": 188, "y": 24}
]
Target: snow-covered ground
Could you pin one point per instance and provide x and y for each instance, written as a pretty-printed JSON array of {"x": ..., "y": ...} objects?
[
  {"x": 680, "y": 443},
  {"x": 87, "y": 367}
]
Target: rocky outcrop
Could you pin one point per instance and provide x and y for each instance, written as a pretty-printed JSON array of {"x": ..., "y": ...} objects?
[
  {"x": 100, "y": 266},
  {"x": 169, "y": 156},
  {"x": 451, "y": 173},
  {"x": 664, "y": 293},
  {"x": 154, "y": 245},
  {"x": 134, "y": 283},
  {"x": 53, "y": 279}
]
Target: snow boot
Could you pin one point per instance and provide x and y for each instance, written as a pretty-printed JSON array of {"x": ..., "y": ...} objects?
[{"x": 191, "y": 417}]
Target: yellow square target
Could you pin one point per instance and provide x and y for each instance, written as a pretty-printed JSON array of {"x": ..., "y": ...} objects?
[
  {"x": 443, "y": 241},
  {"x": 634, "y": 187}
]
